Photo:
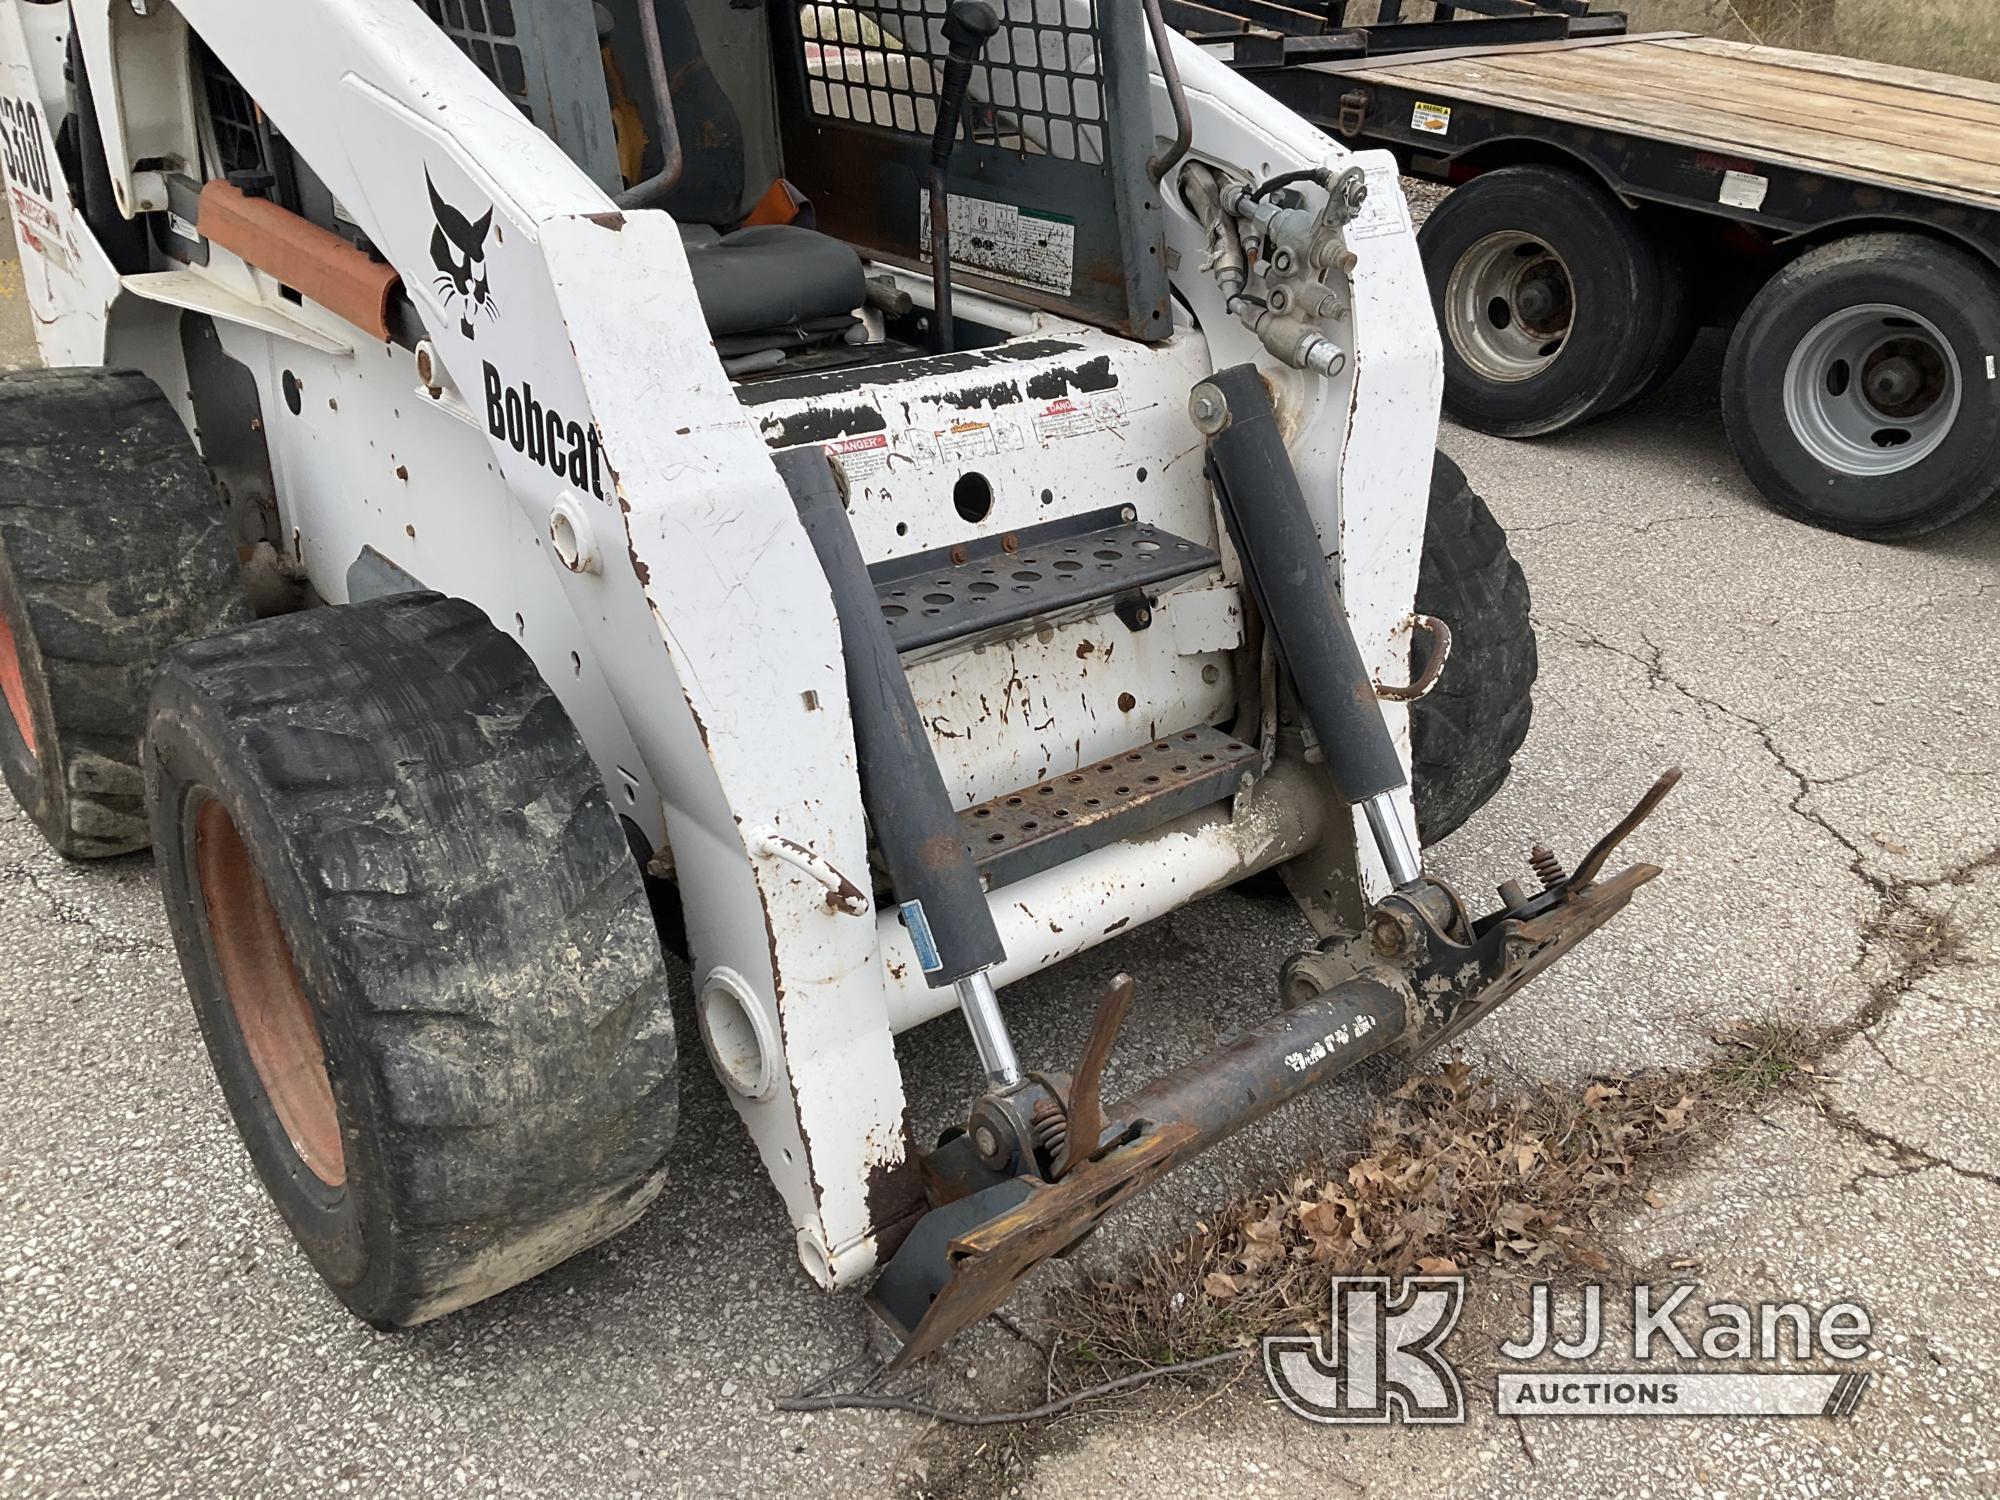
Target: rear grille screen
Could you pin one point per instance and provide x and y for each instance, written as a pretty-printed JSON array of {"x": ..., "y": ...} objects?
[
  {"x": 1038, "y": 88},
  {"x": 486, "y": 32}
]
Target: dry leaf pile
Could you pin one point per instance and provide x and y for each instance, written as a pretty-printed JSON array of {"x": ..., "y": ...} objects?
[{"x": 1455, "y": 1174}]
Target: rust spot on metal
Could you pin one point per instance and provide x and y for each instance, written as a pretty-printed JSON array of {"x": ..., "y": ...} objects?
[
  {"x": 895, "y": 1196},
  {"x": 1126, "y": 703},
  {"x": 959, "y": 556},
  {"x": 1085, "y": 649},
  {"x": 403, "y": 473},
  {"x": 1121, "y": 922},
  {"x": 1010, "y": 543},
  {"x": 940, "y": 853},
  {"x": 612, "y": 220}
]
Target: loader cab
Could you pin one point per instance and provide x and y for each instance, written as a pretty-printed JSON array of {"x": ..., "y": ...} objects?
[{"x": 805, "y": 134}]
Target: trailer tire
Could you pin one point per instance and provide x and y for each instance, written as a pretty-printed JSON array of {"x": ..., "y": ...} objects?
[
  {"x": 418, "y": 948},
  {"x": 1465, "y": 733},
  {"x": 1545, "y": 290},
  {"x": 113, "y": 550},
  {"x": 1679, "y": 317},
  {"x": 1857, "y": 391}
]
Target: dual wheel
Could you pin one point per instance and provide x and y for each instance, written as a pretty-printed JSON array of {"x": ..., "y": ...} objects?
[
  {"x": 417, "y": 942},
  {"x": 1857, "y": 393}
]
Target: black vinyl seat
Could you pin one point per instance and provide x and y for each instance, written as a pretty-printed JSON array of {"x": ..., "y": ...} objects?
[{"x": 773, "y": 286}]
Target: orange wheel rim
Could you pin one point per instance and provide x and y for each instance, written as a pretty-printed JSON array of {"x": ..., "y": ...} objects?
[
  {"x": 14, "y": 684},
  {"x": 272, "y": 1013}
]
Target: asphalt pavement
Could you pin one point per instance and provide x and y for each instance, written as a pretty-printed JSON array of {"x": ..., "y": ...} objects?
[{"x": 1835, "y": 707}]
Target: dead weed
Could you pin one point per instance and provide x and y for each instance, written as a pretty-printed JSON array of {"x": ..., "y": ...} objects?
[{"x": 1456, "y": 1173}]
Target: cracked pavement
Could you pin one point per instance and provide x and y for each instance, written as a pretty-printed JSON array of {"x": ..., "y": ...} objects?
[{"x": 1833, "y": 859}]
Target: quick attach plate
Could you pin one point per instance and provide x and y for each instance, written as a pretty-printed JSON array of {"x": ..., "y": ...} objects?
[{"x": 1056, "y": 569}]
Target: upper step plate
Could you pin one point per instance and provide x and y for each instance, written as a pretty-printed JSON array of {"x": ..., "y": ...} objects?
[{"x": 1038, "y": 572}]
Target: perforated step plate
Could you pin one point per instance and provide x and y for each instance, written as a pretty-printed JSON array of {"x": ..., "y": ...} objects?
[
  {"x": 1056, "y": 820},
  {"x": 1057, "y": 569}
]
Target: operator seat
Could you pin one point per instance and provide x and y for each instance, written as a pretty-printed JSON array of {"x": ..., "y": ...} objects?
[{"x": 773, "y": 286}]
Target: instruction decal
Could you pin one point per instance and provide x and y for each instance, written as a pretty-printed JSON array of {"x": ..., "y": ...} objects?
[
  {"x": 1006, "y": 243},
  {"x": 1385, "y": 212}
]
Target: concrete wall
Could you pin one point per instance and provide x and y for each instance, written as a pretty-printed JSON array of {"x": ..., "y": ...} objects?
[{"x": 1952, "y": 36}]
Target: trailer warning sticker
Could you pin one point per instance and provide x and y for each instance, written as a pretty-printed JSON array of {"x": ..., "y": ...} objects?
[
  {"x": 1431, "y": 119},
  {"x": 1008, "y": 243},
  {"x": 1744, "y": 190}
]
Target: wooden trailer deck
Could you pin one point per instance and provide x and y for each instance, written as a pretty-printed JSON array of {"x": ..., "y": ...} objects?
[{"x": 1906, "y": 130}]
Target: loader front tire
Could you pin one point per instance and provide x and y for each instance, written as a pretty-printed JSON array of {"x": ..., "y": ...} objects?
[
  {"x": 418, "y": 948},
  {"x": 1465, "y": 733},
  {"x": 113, "y": 550}
]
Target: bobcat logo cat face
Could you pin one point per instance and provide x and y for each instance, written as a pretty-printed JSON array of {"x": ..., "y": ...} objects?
[{"x": 458, "y": 250}]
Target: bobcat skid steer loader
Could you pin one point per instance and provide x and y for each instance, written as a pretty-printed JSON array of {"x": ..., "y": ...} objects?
[{"x": 909, "y": 491}]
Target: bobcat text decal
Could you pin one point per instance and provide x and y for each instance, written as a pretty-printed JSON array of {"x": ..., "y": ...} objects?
[{"x": 568, "y": 448}]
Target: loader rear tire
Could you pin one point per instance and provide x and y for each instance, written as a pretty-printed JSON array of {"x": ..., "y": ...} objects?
[
  {"x": 418, "y": 947},
  {"x": 113, "y": 550},
  {"x": 1465, "y": 733}
]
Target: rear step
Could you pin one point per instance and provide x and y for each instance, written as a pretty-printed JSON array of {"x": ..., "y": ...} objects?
[
  {"x": 1119, "y": 797},
  {"x": 1056, "y": 570}
]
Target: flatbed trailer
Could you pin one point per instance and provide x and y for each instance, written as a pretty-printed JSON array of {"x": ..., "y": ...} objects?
[{"x": 1843, "y": 217}]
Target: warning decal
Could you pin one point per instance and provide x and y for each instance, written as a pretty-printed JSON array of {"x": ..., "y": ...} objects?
[
  {"x": 1431, "y": 119},
  {"x": 860, "y": 457},
  {"x": 1068, "y": 418}
]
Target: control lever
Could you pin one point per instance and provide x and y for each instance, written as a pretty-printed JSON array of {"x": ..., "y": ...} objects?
[{"x": 968, "y": 26}]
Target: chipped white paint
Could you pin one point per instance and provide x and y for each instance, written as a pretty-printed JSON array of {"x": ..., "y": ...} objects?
[{"x": 697, "y": 649}]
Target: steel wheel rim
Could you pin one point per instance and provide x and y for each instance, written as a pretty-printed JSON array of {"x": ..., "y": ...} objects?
[
  {"x": 1873, "y": 390},
  {"x": 1510, "y": 304},
  {"x": 14, "y": 685},
  {"x": 272, "y": 1014}
]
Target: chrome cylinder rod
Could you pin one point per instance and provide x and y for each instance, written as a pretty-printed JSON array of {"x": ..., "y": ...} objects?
[
  {"x": 981, "y": 1005},
  {"x": 1400, "y": 852}
]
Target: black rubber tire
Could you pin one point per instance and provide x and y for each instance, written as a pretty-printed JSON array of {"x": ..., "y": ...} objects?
[
  {"x": 1613, "y": 272},
  {"x": 1959, "y": 295},
  {"x": 1465, "y": 733},
  {"x": 113, "y": 550},
  {"x": 1679, "y": 315},
  {"x": 464, "y": 920}
]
